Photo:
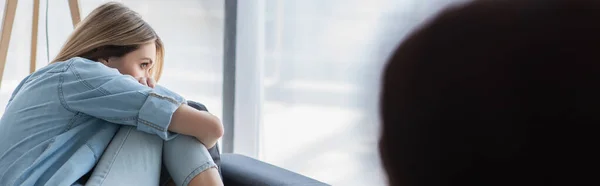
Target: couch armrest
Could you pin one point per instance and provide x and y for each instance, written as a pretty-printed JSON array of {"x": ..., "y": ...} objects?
[{"x": 242, "y": 170}]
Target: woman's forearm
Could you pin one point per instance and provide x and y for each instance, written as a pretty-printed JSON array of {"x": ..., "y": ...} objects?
[{"x": 200, "y": 124}]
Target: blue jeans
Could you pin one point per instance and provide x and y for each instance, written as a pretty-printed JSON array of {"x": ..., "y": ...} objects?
[{"x": 134, "y": 158}]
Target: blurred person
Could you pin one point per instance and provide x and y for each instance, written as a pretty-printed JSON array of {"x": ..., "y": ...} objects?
[
  {"x": 96, "y": 110},
  {"x": 495, "y": 92}
]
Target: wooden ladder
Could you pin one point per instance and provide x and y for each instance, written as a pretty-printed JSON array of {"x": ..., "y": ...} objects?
[{"x": 10, "y": 9}]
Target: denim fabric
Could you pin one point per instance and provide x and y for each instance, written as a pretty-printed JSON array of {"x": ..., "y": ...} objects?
[
  {"x": 185, "y": 157},
  {"x": 61, "y": 118},
  {"x": 134, "y": 158}
]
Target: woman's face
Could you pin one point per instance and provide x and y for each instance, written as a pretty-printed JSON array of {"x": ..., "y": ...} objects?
[{"x": 137, "y": 63}]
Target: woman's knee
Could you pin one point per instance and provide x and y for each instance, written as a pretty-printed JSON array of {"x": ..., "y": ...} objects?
[
  {"x": 186, "y": 158},
  {"x": 209, "y": 177}
]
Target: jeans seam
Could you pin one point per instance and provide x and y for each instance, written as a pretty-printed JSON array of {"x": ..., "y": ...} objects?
[
  {"x": 61, "y": 95},
  {"x": 115, "y": 157},
  {"x": 86, "y": 83},
  {"x": 169, "y": 99},
  {"x": 198, "y": 170},
  {"x": 131, "y": 118},
  {"x": 61, "y": 79},
  {"x": 151, "y": 125}
]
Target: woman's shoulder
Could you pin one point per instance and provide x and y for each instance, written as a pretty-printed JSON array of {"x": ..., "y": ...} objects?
[
  {"x": 78, "y": 61},
  {"x": 62, "y": 66},
  {"x": 84, "y": 67}
]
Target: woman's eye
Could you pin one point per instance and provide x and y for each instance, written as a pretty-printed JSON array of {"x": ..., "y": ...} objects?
[{"x": 144, "y": 65}]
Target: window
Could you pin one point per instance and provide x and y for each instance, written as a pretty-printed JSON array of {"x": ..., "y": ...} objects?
[{"x": 319, "y": 67}]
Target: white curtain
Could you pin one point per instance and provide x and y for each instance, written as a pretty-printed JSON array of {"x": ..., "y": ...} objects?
[{"x": 320, "y": 63}]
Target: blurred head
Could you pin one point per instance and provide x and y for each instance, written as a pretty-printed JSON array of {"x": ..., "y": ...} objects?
[
  {"x": 495, "y": 92},
  {"x": 118, "y": 37}
]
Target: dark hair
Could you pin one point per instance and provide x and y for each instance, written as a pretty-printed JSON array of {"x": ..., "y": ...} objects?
[
  {"x": 106, "y": 52},
  {"x": 495, "y": 92}
]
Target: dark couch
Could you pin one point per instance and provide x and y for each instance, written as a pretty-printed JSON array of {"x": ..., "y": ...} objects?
[{"x": 237, "y": 169}]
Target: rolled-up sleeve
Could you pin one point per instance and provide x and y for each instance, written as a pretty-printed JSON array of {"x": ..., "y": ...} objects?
[
  {"x": 156, "y": 112},
  {"x": 96, "y": 90}
]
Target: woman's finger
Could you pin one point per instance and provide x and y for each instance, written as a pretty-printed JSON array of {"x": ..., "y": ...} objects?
[
  {"x": 151, "y": 82},
  {"x": 143, "y": 81}
]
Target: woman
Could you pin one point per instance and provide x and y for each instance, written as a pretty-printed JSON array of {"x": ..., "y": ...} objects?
[
  {"x": 60, "y": 119},
  {"x": 495, "y": 92}
]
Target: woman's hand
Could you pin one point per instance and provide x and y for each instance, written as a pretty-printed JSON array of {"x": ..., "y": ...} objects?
[
  {"x": 147, "y": 81},
  {"x": 186, "y": 120},
  {"x": 200, "y": 124}
]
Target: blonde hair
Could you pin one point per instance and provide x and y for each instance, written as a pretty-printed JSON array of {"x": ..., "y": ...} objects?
[{"x": 111, "y": 30}]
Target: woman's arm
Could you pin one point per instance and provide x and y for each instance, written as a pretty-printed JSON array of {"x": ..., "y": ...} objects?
[
  {"x": 91, "y": 88},
  {"x": 189, "y": 121},
  {"x": 200, "y": 124}
]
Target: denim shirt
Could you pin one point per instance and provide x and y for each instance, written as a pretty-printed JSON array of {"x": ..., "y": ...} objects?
[{"x": 60, "y": 119}]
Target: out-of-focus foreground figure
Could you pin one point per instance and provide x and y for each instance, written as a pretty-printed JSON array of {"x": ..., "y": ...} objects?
[{"x": 495, "y": 93}]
